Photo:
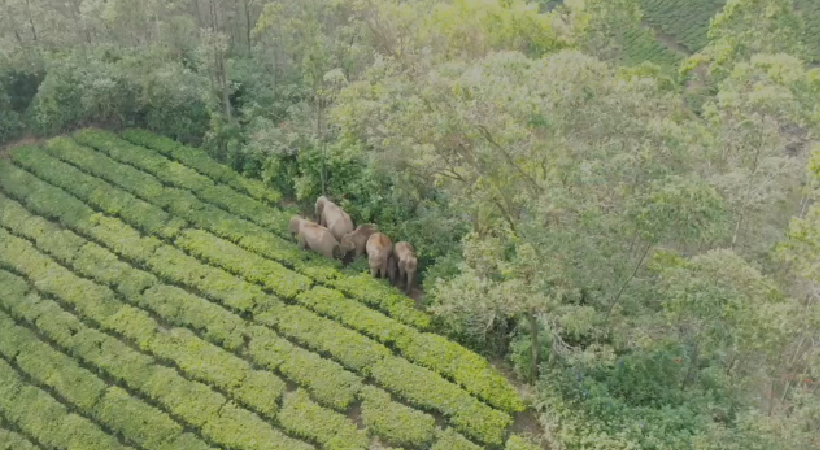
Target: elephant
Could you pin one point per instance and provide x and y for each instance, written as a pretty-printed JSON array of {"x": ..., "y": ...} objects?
[
  {"x": 407, "y": 263},
  {"x": 392, "y": 268},
  {"x": 330, "y": 215},
  {"x": 319, "y": 239},
  {"x": 379, "y": 247},
  {"x": 356, "y": 240},
  {"x": 295, "y": 224}
]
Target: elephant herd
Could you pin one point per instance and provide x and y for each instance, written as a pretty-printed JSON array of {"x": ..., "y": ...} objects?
[{"x": 333, "y": 236}]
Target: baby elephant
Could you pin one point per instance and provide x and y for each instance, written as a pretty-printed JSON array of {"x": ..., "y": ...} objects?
[
  {"x": 379, "y": 247},
  {"x": 312, "y": 236},
  {"x": 355, "y": 241},
  {"x": 330, "y": 215},
  {"x": 407, "y": 263}
]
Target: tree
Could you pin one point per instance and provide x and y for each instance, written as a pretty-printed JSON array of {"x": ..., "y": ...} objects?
[{"x": 571, "y": 168}]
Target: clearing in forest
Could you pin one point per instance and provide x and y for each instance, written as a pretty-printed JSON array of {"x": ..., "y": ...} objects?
[{"x": 152, "y": 299}]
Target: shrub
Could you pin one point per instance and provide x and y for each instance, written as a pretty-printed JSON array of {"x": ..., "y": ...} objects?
[
  {"x": 238, "y": 428},
  {"x": 193, "y": 401},
  {"x": 203, "y": 163},
  {"x": 332, "y": 430},
  {"x": 393, "y": 422},
  {"x": 180, "y": 345},
  {"x": 327, "y": 381},
  {"x": 516, "y": 442},
  {"x": 450, "y": 440},
  {"x": 428, "y": 390},
  {"x": 140, "y": 422},
  {"x": 352, "y": 349},
  {"x": 262, "y": 391}
]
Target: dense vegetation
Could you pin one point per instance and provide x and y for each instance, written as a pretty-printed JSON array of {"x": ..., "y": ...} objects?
[{"x": 615, "y": 199}]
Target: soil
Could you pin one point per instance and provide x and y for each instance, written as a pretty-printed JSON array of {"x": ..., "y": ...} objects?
[
  {"x": 5, "y": 150},
  {"x": 524, "y": 422}
]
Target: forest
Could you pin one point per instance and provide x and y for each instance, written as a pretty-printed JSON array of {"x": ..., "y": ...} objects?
[{"x": 612, "y": 203}]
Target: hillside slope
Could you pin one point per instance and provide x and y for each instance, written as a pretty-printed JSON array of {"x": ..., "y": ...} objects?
[{"x": 150, "y": 297}]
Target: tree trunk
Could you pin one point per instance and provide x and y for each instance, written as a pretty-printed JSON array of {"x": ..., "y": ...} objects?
[
  {"x": 248, "y": 24},
  {"x": 220, "y": 72},
  {"x": 31, "y": 21},
  {"x": 535, "y": 351},
  {"x": 198, "y": 11}
]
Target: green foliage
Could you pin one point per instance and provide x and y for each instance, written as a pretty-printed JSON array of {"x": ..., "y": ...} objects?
[
  {"x": 44, "y": 418},
  {"x": 355, "y": 351},
  {"x": 516, "y": 442},
  {"x": 634, "y": 401},
  {"x": 239, "y": 428},
  {"x": 449, "y": 439},
  {"x": 468, "y": 369},
  {"x": 184, "y": 309},
  {"x": 370, "y": 291},
  {"x": 195, "y": 402},
  {"x": 148, "y": 89},
  {"x": 810, "y": 11},
  {"x": 684, "y": 20},
  {"x": 332, "y": 430},
  {"x": 613, "y": 31},
  {"x": 59, "y": 372},
  {"x": 262, "y": 390},
  {"x": 200, "y": 359},
  {"x": 393, "y": 422},
  {"x": 14, "y": 441},
  {"x": 353, "y": 314},
  {"x": 202, "y": 163},
  {"x": 428, "y": 390},
  {"x": 283, "y": 282}
]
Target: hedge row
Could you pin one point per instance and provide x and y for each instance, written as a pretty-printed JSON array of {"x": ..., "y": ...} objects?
[
  {"x": 143, "y": 158},
  {"x": 329, "y": 383},
  {"x": 136, "y": 420},
  {"x": 364, "y": 288},
  {"x": 435, "y": 352},
  {"x": 172, "y": 303},
  {"x": 98, "y": 193},
  {"x": 327, "y": 380},
  {"x": 44, "y": 418},
  {"x": 332, "y": 430},
  {"x": 202, "y": 163},
  {"x": 337, "y": 390},
  {"x": 429, "y": 390},
  {"x": 448, "y": 439},
  {"x": 9, "y": 440},
  {"x": 480, "y": 420},
  {"x": 451, "y": 359},
  {"x": 196, "y": 403},
  {"x": 516, "y": 442},
  {"x": 219, "y": 252},
  {"x": 447, "y": 358},
  {"x": 174, "y": 173},
  {"x": 350, "y": 348},
  {"x": 198, "y": 359},
  {"x": 165, "y": 260},
  {"x": 173, "y": 264},
  {"x": 188, "y": 271},
  {"x": 395, "y": 423}
]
